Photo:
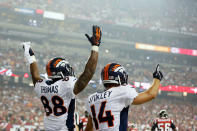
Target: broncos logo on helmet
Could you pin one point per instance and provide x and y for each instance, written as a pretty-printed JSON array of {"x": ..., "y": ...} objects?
[
  {"x": 114, "y": 73},
  {"x": 58, "y": 68}
]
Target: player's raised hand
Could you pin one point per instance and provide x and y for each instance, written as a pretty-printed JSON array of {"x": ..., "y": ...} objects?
[
  {"x": 158, "y": 74},
  {"x": 28, "y": 52},
  {"x": 95, "y": 40}
]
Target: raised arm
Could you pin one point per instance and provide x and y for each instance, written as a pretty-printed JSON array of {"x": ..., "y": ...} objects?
[
  {"x": 90, "y": 67},
  {"x": 152, "y": 92},
  {"x": 31, "y": 59}
]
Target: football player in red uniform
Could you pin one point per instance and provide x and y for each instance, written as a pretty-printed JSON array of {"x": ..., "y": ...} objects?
[
  {"x": 84, "y": 121},
  {"x": 163, "y": 123}
]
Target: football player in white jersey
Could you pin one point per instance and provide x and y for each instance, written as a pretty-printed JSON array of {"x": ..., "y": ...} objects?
[
  {"x": 58, "y": 93},
  {"x": 108, "y": 110}
]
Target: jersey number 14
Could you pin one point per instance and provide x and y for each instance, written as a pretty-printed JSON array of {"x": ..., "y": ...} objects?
[{"x": 109, "y": 118}]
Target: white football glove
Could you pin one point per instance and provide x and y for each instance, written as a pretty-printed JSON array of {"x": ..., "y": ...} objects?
[{"x": 28, "y": 52}]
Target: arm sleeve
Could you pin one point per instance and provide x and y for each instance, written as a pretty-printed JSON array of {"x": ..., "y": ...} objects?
[
  {"x": 154, "y": 126},
  {"x": 130, "y": 94},
  {"x": 173, "y": 126},
  {"x": 68, "y": 87},
  {"x": 37, "y": 87}
]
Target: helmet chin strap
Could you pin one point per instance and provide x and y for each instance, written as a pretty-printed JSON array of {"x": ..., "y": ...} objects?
[
  {"x": 119, "y": 80},
  {"x": 62, "y": 74}
]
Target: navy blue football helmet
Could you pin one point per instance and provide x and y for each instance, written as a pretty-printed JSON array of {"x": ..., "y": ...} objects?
[
  {"x": 114, "y": 73},
  {"x": 59, "y": 68}
]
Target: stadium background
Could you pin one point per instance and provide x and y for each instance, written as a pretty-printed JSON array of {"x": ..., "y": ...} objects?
[{"x": 138, "y": 34}]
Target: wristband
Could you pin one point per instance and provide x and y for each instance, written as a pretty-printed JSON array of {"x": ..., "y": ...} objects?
[
  {"x": 95, "y": 48},
  {"x": 31, "y": 59}
]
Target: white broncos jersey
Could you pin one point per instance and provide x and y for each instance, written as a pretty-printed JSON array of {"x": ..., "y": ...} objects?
[
  {"x": 58, "y": 100},
  {"x": 109, "y": 109}
]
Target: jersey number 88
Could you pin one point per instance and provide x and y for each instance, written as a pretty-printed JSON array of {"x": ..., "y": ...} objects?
[{"x": 58, "y": 105}]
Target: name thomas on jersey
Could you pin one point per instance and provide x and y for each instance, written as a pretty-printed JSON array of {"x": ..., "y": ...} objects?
[{"x": 49, "y": 89}]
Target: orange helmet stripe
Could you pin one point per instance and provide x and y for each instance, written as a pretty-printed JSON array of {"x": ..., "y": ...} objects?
[
  {"x": 106, "y": 74},
  {"x": 115, "y": 66},
  {"x": 48, "y": 68},
  {"x": 56, "y": 62}
]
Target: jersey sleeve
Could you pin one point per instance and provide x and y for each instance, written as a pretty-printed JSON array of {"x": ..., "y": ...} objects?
[
  {"x": 68, "y": 87},
  {"x": 38, "y": 86},
  {"x": 154, "y": 125},
  {"x": 130, "y": 95}
]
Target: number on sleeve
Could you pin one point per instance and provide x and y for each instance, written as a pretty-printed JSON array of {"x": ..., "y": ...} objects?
[{"x": 109, "y": 118}]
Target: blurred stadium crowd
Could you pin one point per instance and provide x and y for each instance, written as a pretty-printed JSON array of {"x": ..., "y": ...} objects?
[
  {"x": 29, "y": 111},
  {"x": 138, "y": 70},
  {"x": 153, "y": 15},
  {"x": 19, "y": 106}
]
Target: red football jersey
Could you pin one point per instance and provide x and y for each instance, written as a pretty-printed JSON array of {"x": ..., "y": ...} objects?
[
  {"x": 84, "y": 120},
  {"x": 163, "y": 124}
]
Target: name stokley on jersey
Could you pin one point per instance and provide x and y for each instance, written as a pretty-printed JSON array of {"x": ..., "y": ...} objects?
[{"x": 109, "y": 109}]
